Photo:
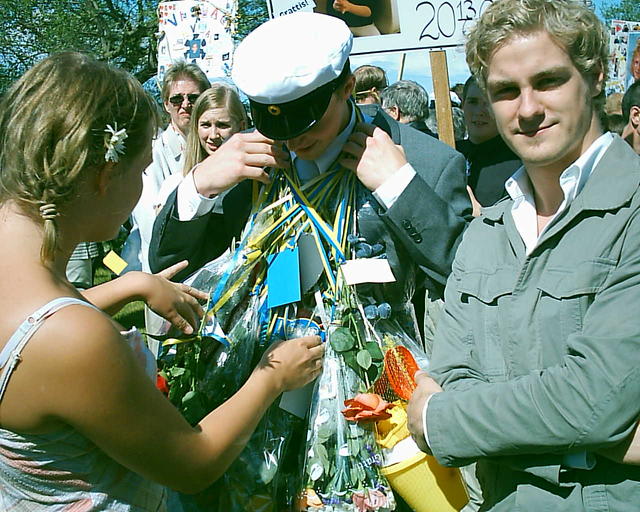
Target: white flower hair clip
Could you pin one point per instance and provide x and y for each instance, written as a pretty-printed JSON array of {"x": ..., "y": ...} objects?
[{"x": 114, "y": 142}]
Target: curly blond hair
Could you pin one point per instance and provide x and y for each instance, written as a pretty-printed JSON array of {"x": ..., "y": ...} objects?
[
  {"x": 571, "y": 24},
  {"x": 52, "y": 132}
]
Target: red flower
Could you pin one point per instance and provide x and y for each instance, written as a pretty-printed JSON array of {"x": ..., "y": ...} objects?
[
  {"x": 366, "y": 408},
  {"x": 162, "y": 384}
]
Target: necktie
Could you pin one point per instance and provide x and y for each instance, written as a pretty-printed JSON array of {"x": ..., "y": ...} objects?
[{"x": 307, "y": 169}]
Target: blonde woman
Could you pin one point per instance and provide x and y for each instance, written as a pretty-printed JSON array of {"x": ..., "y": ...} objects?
[
  {"x": 81, "y": 425},
  {"x": 216, "y": 116}
]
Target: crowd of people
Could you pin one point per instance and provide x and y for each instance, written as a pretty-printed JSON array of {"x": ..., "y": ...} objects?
[{"x": 514, "y": 257}]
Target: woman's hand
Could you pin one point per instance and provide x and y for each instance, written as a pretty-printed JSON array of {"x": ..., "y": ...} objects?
[
  {"x": 177, "y": 302},
  {"x": 293, "y": 363}
]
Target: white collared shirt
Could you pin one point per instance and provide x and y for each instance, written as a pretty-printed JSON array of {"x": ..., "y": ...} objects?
[
  {"x": 572, "y": 181},
  {"x": 191, "y": 204}
]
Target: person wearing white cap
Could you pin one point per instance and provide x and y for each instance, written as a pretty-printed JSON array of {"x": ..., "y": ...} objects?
[{"x": 296, "y": 73}]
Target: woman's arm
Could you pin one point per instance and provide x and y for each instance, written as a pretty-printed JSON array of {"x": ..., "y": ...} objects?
[
  {"x": 95, "y": 384},
  {"x": 346, "y": 6},
  {"x": 176, "y": 302}
]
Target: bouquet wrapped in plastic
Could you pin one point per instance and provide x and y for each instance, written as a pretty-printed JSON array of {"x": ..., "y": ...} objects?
[
  {"x": 286, "y": 279},
  {"x": 342, "y": 466}
]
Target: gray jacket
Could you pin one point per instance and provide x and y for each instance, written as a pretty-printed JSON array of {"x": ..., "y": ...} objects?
[{"x": 539, "y": 355}]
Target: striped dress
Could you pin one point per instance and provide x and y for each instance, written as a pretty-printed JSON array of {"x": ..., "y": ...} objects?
[{"x": 63, "y": 470}]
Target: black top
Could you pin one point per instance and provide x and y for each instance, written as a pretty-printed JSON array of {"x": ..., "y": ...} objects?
[
  {"x": 490, "y": 164},
  {"x": 351, "y": 19},
  {"x": 422, "y": 126}
]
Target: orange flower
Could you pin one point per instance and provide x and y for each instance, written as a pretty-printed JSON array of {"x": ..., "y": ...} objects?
[
  {"x": 366, "y": 408},
  {"x": 309, "y": 499}
]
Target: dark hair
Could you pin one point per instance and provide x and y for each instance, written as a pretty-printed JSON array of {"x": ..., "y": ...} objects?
[
  {"x": 615, "y": 123},
  {"x": 368, "y": 77},
  {"x": 630, "y": 99}
]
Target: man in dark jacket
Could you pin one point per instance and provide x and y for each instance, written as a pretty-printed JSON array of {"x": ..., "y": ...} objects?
[{"x": 417, "y": 206}]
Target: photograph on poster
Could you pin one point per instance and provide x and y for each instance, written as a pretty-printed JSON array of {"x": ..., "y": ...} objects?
[
  {"x": 382, "y": 26},
  {"x": 633, "y": 58},
  {"x": 364, "y": 17},
  {"x": 619, "y": 55}
]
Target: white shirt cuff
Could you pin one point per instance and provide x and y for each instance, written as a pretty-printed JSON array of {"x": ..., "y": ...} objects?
[
  {"x": 192, "y": 204},
  {"x": 389, "y": 192},
  {"x": 424, "y": 420}
]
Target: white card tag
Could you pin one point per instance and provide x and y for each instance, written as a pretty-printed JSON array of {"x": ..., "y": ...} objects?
[
  {"x": 367, "y": 270},
  {"x": 298, "y": 401}
]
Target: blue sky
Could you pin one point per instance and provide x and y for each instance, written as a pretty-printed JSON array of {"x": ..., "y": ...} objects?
[{"x": 416, "y": 65}]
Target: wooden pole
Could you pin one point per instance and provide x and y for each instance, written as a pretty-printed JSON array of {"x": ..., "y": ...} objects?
[
  {"x": 440, "y": 76},
  {"x": 401, "y": 69}
]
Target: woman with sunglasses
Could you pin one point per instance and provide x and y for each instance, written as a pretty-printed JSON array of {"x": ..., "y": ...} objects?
[
  {"x": 216, "y": 116},
  {"x": 182, "y": 85},
  {"x": 82, "y": 427}
]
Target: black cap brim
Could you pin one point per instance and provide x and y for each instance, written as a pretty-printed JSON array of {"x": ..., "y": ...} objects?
[{"x": 285, "y": 121}]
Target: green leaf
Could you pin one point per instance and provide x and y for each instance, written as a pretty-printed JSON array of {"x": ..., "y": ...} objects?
[
  {"x": 350, "y": 359},
  {"x": 373, "y": 349},
  {"x": 321, "y": 453},
  {"x": 189, "y": 397},
  {"x": 176, "y": 371},
  {"x": 342, "y": 340},
  {"x": 324, "y": 433},
  {"x": 364, "y": 359},
  {"x": 374, "y": 372}
]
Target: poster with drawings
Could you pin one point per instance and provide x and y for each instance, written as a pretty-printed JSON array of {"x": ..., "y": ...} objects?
[
  {"x": 618, "y": 48},
  {"x": 198, "y": 31}
]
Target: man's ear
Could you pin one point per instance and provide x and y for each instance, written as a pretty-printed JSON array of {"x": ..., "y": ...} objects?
[
  {"x": 103, "y": 177},
  {"x": 393, "y": 111},
  {"x": 634, "y": 116},
  {"x": 346, "y": 89},
  {"x": 598, "y": 82},
  {"x": 166, "y": 106}
]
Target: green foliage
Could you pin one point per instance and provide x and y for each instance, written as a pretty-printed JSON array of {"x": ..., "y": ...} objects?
[
  {"x": 627, "y": 10},
  {"x": 251, "y": 13},
  {"x": 117, "y": 31}
]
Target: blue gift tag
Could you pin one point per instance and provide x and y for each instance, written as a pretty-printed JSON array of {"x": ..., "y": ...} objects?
[{"x": 283, "y": 278}]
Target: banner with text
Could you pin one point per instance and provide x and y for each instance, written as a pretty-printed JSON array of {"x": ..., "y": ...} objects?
[{"x": 395, "y": 25}]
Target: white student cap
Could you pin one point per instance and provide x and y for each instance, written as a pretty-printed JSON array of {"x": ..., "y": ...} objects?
[{"x": 289, "y": 67}]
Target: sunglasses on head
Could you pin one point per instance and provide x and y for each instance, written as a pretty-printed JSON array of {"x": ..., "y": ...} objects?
[{"x": 177, "y": 99}]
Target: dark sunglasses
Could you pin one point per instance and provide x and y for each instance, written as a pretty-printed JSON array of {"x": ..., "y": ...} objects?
[{"x": 177, "y": 99}]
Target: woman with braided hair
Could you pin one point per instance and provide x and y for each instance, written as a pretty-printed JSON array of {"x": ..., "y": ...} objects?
[{"x": 81, "y": 425}]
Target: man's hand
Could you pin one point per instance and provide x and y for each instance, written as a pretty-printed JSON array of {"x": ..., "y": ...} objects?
[
  {"x": 372, "y": 155},
  {"x": 243, "y": 156},
  {"x": 426, "y": 387}
]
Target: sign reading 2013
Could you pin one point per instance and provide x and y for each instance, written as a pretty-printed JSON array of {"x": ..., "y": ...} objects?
[{"x": 418, "y": 24}]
